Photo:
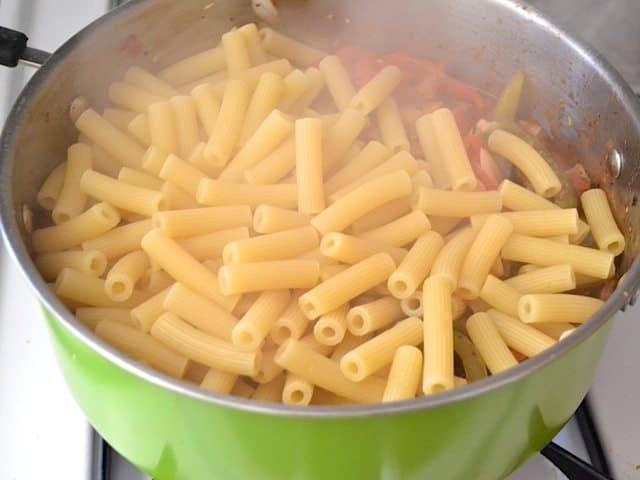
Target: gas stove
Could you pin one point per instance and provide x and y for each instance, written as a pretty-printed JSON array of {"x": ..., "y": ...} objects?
[{"x": 43, "y": 434}]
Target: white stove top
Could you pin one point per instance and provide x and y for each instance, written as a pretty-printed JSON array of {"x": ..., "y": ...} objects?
[{"x": 43, "y": 434}]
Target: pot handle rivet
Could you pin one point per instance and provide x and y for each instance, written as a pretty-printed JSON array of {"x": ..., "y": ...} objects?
[{"x": 615, "y": 162}]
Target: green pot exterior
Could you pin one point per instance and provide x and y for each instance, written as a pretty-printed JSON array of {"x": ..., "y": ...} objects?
[{"x": 174, "y": 437}]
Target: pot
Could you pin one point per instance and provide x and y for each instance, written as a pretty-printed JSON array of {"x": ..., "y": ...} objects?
[{"x": 173, "y": 430}]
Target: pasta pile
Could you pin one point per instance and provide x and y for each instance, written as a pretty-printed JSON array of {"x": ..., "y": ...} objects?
[{"x": 250, "y": 220}]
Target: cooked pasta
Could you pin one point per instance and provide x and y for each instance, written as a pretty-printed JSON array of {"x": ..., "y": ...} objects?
[
  {"x": 557, "y": 307},
  {"x": 438, "y": 335},
  {"x": 603, "y": 226},
  {"x": 404, "y": 376},
  {"x": 415, "y": 267},
  {"x": 529, "y": 162},
  {"x": 71, "y": 199},
  {"x": 457, "y": 165},
  {"x": 265, "y": 220},
  {"x": 374, "y": 354}
]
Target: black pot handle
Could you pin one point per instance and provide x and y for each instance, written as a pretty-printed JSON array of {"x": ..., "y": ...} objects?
[
  {"x": 14, "y": 49},
  {"x": 573, "y": 467}
]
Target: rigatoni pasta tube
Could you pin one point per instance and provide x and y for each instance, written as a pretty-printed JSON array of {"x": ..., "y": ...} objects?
[
  {"x": 338, "y": 81},
  {"x": 291, "y": 323},
  {"x": 119, "y": 241},
  {"x": 415, "y": 267},
  {"x": 371, "y": 316},
  {"x": 376, "y": 90},
  {"x": 372, "y": 155},
  {"x": 492, "y": 348},
  {"x": 118, "y": 117},
  {"x": 218, "y": 381},
  {"x": 482, "y": 253},
  {"x": 125, "y": 273},
  {"x": 430, "y": 148},
  {"x": 122, "y": 195},
  {"x": 269, "y": 219},
  {"x": 371, "y": 356},
  {"x": 451, "y": 146},
  {"x": 91, "y": 316},
  {"x": 535, "y": 168},
  {"x": 93, "y": 262},
  {"x": 215, "y": 192},
  {"x": 50, "y": 189},
  {"x": 207, "y": 105},
  {"x": 196, "y": 221},
  {"x": 538, "y": 223},
  {"x": 113, "y": 141},
  {"x": 363, "y": 199},
  {"x": 162, "y": 128},
  {"x": 256, "y": 323},
  {"x": 275, "y": 166},
  {"x": 350, "y": 249},
  {"x": 298, "y": 359},
  {"x": 382, "y": 215},
  {"x": 182, "y": 173},
  {"x": 209, "y": 246},
  {"x": 269, "y": 134},
  {"x": 236, "y": 52},
  {"x": 604, "y": 229},
  {"x": 186, "y": 122},
  {"x": 177, "y": 198},
  {"x": 88, "y": 290},
  {"x": 401, "y": 231},
  {"x": 521, "y": 337},
  {"x": 139, "y": 179},
  {"x": 254, "y": 277},
  {"x": 71, "y": 200},
  {"x": 194, "y": 67},
  {"x": 315, "y": 85},
  {"x": 308, "y": 135},
  {"x": 270, "y": 247},
  {"x": 252, "y": 40},
  {"x": 555, "y": 330},
  {"x": 141, "y": 78},
  {"x": 444, "y": 203},
  {"x": 437, "y": 335},
  {"x": 341, "y": 136},
  {"x": 132, "y": 98},
  {"x": 404, "y": 376},
  {"x": 139, "y": 128},
  {"x": 264, "y": 100},
  {"x": 147, "y": 312},
  {"x": 391, "y": 127},
  {"x": 400, "y": 161},
  {"x": 181, "y": 337},
  {"x": 540, "y": 251},
  {"x": 557, "y": 307},
  {"x": 172, "y": 258},
  {"x": 228, "y": 124},
  {"x": 201, "y": 312},
  {"x": 95, "y": 221},
  {"x": 280, "y": 45},
  {"x": 330, "y": 328},
  {"x": 141, "y": 346},
  {"x": 295, "y": 84},
  {"x": 553, "y": 279},
  {"x": 500, "y": 295},
  {"x": 297, "y": 390},
  {"x": 346, "y": 285}
]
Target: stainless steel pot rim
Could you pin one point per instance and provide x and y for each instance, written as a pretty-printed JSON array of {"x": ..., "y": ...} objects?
[{"x": 12, "y": 237}]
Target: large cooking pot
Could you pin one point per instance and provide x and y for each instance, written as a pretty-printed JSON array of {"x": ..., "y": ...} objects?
[{"x": 172, "y": 429}]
